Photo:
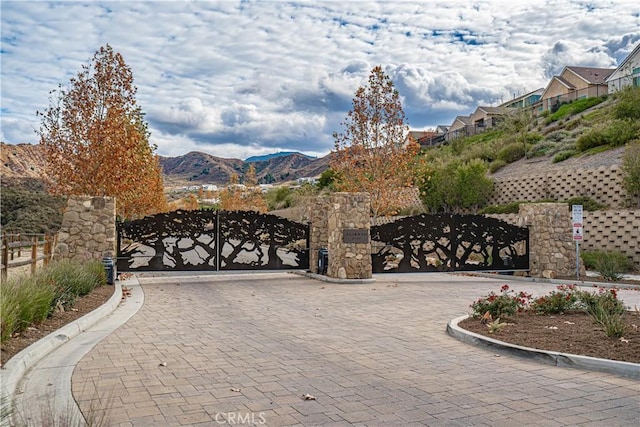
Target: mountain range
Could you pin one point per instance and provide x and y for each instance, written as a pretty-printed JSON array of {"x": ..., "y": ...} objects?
[{"x": 26, "y": 161}]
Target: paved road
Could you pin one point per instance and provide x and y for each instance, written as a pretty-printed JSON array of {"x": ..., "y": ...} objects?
[{"x": 244, "y": 349}]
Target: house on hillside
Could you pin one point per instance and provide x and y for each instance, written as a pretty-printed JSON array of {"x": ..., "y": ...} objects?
[
  {"x": 485, "y": 118},
  {"x": 427, "y": 138},
  {"x": 524, "y": 101},
  {"x": 575, "y": 83},
  {"x": 627, "y": 73},
  {"x": 442, "y": 129},
  {"x": 417, "y": 135},
  {"x": 460, "y": 127}
]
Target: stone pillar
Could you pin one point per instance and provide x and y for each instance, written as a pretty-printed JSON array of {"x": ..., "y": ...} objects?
[
  {"x": 350, "y": 212},
  {"x": 552, "y": 251},
  {"x": 88, "y": 229},
  {"x": 330, "y": 216},
  {"x": 318, "y": 232}
]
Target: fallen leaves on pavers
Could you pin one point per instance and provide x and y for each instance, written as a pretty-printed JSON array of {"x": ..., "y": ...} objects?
[
  {"x": 307, "y": 396},
  {"x": 126, "y": 292}
]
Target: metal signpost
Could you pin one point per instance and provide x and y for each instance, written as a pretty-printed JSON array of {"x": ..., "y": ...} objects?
[{"x": 576, "y": 212}]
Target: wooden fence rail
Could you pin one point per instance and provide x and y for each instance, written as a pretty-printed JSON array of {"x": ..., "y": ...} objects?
[{"x": 25, "y": 249}]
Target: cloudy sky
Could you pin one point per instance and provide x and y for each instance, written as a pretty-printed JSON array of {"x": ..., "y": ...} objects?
[{"x": 242, "y": 78}]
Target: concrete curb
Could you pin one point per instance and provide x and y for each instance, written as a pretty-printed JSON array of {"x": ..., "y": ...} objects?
[
  {"x": 50, "y": 379},
  {"x": 18, "y": 365},
  {"x": 626, "y": 369},
  {"x": 334, "y": 279},
  {"x": 584, "y": 283}
]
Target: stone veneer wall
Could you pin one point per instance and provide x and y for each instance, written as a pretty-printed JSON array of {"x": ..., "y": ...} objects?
[
  {"x": 610, "y": 230},
  {"x": 551, "y": 247},
  {"x": 603, "y": 184},
  {"x": 88, "y": 229},
  {"x": 318, "y": 232},
  {"x": 330, "y": 216}
]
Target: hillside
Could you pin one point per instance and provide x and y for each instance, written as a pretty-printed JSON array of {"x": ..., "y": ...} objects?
[
  {"x": 21, "y": 162},
  {"x": 201, "y": 168}
]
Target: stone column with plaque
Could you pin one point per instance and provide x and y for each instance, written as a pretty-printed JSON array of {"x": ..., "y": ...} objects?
[{"x": 340, "y": 223}]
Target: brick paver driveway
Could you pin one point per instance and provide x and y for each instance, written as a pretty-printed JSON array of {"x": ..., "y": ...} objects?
[{"x": 244, "y": 349}]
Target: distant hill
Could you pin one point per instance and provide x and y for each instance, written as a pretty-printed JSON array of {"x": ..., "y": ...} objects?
[
  {"x": 20, "y": 163},
  {"x": 201, "y": 168},
  {"x": 270, "y": 156}
]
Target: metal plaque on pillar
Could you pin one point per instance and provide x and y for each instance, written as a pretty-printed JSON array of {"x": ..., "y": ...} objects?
[{"x": 355, "y": 235}]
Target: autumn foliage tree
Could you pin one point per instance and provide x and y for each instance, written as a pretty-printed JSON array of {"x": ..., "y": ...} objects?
[
  {"x": 246, "y": 197},
  {"x": 371, "y": 154},
  {"x": 96, "y": 141}
]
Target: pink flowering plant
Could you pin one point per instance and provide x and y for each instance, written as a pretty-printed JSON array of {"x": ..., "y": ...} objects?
[{"x": 505, "y": 304}]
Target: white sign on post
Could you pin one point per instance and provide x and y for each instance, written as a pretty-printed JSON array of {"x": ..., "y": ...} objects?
[{"x": 576, "y": 212}]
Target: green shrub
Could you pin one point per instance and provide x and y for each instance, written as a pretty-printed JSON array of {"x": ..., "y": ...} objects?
[
  {"x": 533, "y": 138},
  {"x": 327, "y": 179},
  {"x": 589, "y": 259},
  {"x": 279, "y": 198},
  {"x": 9, "y": 310},
  {"x": 509, "y": 208},
  {"x": 606, "y": 298},
  {"x": 453, "y": 185},
  {"x": 511, "y": 152},
  {"x": 541, "y": 149},
  {"x": 558, "y": 135},
  {"x": 616, "y": 134},
  {"x": 486, "y": 152},
  {"x": 559, "y": 301},
  {"x": 24, "y": 301},
  {"x": 496, "y": 165},
  {"x": 605, "y": 308},
  {"x": 588, "y": 204},
  {"x": 562, "y": 156},
  {"x": 628, "y": 105},
  {"x": 621, "y": 131},
  {"x": 611, "y": 264},
  {"x": 590, "y": 139},
  {"x": 612, "y": 323},
  {"x": 574, "y": 107},
  {"x": 505, "y": 304},
  {"x": 631, "y": 172},
  {"x": 28, "y": 300}
]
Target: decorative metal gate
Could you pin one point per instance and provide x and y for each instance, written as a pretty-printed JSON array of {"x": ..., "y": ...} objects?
[
  {"x": 445, "y": 242},
  {"x": 212, "y": 240}
]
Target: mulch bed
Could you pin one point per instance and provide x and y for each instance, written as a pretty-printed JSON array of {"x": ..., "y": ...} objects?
[
  {"x": 573, "y": 333},
  {"x": 82, "y": 306}
]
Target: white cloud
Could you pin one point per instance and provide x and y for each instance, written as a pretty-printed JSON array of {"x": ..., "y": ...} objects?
[{"x": 253, "y": 77}]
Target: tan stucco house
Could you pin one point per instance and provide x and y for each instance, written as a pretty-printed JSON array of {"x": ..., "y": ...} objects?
[{"x": 575, "y": 83}]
